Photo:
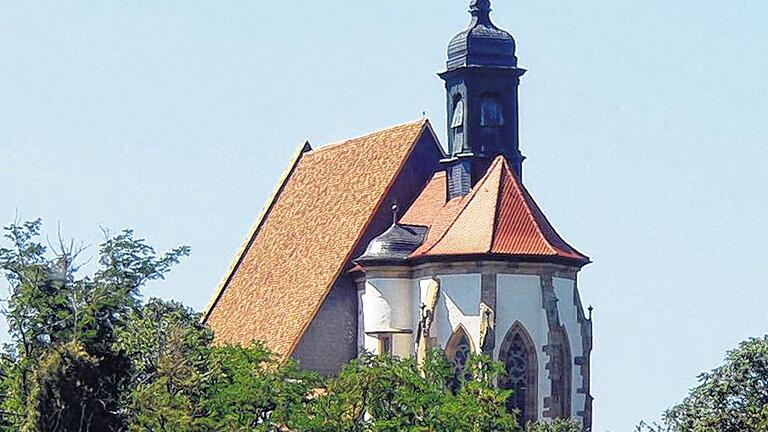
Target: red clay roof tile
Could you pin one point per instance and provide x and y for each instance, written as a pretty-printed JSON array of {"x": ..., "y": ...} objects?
[
  {"x": 303, "y": 241},
  {"x": 498, "y": 217}
]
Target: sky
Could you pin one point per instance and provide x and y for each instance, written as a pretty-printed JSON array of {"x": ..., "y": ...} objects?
[{"x": 644, "y": 124}]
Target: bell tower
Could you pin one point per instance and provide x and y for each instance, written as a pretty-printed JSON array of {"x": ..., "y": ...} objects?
[{"x": 481, "y": 83}]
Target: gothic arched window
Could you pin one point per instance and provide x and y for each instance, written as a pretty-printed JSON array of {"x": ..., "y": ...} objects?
[
  {"x": 518, "y": 355},
  {"x": 491, "y": 111},
  {"x": 458, "y": 351}
]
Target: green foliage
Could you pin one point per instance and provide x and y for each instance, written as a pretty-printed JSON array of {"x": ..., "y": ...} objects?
[
  {"x": 248, "y": 389},
  {"x": 69, "y": 392},
  {"x": 731, "y": 398},
  {"x": 251, "y": 391},
  {"x": 555, "y": 426},
  {"x": 168, "y": 347},
  {"x": 160, "y": 336},
  {"x": 63, "y": 328},
  {"x": 380, "y": 393}
]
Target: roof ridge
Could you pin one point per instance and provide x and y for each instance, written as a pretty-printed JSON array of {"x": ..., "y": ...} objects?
[
  {"x": 468, "y": 199},
  {"x": 566, "y": 246},
  {"x": 336, "y": 144},
  {"x": 359, "y": 237},
  {"x": 499, "y": 187},
  {"x": 497, "y": 209},
  {"x": 527, "y": 206}
]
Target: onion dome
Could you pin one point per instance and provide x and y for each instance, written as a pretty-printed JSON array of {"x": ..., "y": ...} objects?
[
  {"x": 395, "y": 244},
  {"x": 482, "y": 44}
]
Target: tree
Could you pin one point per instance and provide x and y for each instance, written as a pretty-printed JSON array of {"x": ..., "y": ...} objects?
[
  {"x": 731, "y": 398},
  {"x": 250, "y": 390},
  {"x": 87, "y": 354},
  {"x": 169, "y": 351},
  {"x": 69, "y": 391},
  {"x": 555, "y": 426},
  {"x": 381, "y": 393},
  {"x": 63, "y": 328}
]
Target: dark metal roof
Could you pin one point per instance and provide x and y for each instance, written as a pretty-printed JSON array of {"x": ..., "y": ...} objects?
[
  {"x": 482, "y": 44},
  {"x": 395, "y": 244}
]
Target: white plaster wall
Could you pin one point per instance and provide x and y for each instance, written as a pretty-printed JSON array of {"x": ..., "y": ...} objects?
[
  {"x": 362, "y": 340},
  {"x": 569, "y": 318},
  {"x": 370, "y": 344},
  {"x": 396, "y": 304},
  {"x": 386, "y": 305},
  {"x": 518, "y": 298},
  {"x": 402, "y": 345},
  {"x": 365, "y": 342},
  {"x": 458, "y": 305},
  {"x": 419, "y": 294}
]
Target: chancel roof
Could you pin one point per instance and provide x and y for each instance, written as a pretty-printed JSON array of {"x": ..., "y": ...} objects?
[
  {"x": 498, "y": 218},
  {"x": 306, "y": 236}
]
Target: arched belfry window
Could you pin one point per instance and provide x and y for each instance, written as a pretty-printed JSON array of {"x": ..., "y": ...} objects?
[
  {"x": 458, "y": 350},
  {"x": 491, "y": 111},
  {"x": 457, "y": 120},
  {"x": 518, "y": 355},
  {"x": 457, "y": 125}
]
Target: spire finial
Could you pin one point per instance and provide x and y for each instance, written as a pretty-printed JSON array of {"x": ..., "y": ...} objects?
[
  {"x": 480, "y": 9},
  {"x": 395, "y": 210}
]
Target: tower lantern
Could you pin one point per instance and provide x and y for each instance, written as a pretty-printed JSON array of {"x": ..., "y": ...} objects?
[{"x": 481, "y": 82}]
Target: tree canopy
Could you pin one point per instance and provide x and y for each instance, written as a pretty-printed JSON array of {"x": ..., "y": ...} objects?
[
  {"x": 731, "y": 398},
  {"x": 87, "y": 353},
  {"x": 63, "y": 369}
]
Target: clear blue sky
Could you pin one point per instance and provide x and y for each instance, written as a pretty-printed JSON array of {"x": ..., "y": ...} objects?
[{"x": 644, "y": 123}]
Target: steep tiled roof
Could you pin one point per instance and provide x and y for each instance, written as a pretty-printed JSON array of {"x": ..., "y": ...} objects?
[
  {"x": 498, "y": 217},
  {"x": 305, "y": 236}
]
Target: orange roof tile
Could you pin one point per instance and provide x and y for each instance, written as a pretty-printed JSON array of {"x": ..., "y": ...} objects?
[
  {"x": 302, "y": 241},
  {"x": 430, "y": 209},
  {"x": 498, "y": 216}
]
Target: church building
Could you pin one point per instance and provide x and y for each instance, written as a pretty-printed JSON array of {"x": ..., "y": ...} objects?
[{"x": 389, "y": 244}]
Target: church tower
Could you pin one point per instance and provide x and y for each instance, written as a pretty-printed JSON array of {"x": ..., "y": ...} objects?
[
  {"x": 482, "y": 101},
  {"x": 473, "y": 265}
]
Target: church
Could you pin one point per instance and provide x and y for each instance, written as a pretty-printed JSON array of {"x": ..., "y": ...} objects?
[{"x": 387, "y": 243}]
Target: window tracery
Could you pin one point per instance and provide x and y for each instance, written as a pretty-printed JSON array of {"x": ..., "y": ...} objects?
[
  {"x": 518, "y": 355},
  {"x": 458, "y": 351}
]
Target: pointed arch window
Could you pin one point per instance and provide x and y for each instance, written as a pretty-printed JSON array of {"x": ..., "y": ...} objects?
[
  {"x": 518, "y": 355},
  {"x": 458, "y": 350}
]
